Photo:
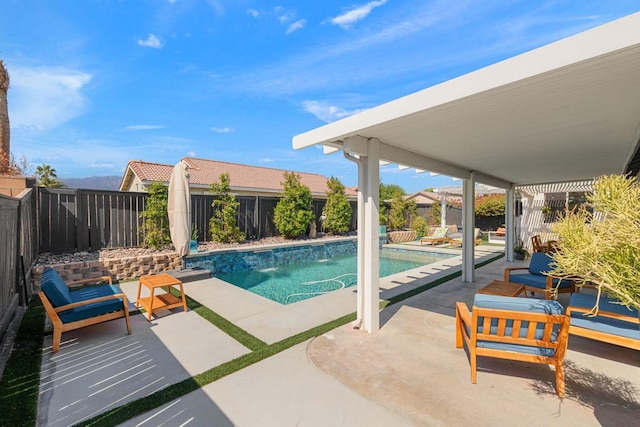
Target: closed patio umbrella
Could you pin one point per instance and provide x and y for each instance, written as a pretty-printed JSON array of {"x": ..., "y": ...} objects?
[{"x": 178, "y": 208}]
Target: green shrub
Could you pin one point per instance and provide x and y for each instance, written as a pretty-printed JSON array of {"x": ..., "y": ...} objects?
[
  {"x": 294, "y": 212},
  {"x": 395, "y": 218},
  {"x": 337, "y": 209},
  {"x": 419, "y": 225},
  {"x": 224, "y": 222},
  {"x": 490, "y": 205},
  {"x": 156, "y": 220}
]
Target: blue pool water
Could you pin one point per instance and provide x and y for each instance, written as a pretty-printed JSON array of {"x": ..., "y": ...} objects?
[{"x": 297, "y": 282}]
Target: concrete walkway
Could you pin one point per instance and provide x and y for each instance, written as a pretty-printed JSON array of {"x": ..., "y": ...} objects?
[{"x": 409, "y": 373}]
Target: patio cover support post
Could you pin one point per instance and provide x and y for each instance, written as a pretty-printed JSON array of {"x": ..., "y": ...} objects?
[
  {"x": 443, "y": 209},
  {"x": 368, "y": 316},
  {"x": 469, "y": 224},
  {"x": 509, "y": 218}
]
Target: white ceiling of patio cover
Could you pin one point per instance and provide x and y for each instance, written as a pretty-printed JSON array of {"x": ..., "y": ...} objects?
[{"x": 563, "y": 112}]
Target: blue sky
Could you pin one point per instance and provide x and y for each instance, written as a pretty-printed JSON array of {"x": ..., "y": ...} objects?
[{"x": 96, "y": 83}]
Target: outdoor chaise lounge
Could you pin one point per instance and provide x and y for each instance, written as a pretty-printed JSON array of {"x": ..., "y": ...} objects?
[
  {"x": 523, "y": 329},
  {"x": 439, "y": 235},
  {"x": 614, "y": 323},
  {"x": 477, "y": 237},
  {"x": 536, "y": 280},
  {"x": 71, "y": 309}
]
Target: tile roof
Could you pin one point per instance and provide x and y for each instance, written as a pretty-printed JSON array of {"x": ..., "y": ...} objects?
[{"x": 203, "y": 172}]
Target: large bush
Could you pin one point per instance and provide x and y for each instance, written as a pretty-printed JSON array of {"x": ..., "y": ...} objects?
[
  {"x": 395, "y": 218},
  {"x": 156, "y": 220},
  {"x": 294, "y": 212},
  {"x": 490, "y": 205},
  {"x": 337, "y": 209},
  {"x": 603, "y": 249},
  {"x": 224, "y": 222}
]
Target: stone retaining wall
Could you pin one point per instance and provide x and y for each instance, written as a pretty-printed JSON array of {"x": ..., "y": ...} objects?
[
  {"x": 401, "y": 236},
  {"x": 117, "y": 268}
]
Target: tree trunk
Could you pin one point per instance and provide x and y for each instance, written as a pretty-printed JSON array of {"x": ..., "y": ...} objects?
[{"x": 5, "y": 146}]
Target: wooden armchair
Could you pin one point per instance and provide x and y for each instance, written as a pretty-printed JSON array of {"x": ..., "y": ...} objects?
[
  {"x": 71, "y": 309},
  {"x": 537, "y": 245},
  {"x": 528, "y": 330},
  {"x": 536, "y": 279}
]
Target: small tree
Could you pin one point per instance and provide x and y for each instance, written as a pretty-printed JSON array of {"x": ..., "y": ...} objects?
[
  {"x": 395, "y": 219},
  {"x": 223, "y": 223},
  {"x": 419, "y": 225},
  {"x": 47, "y": 177},
  {"x": 603, "y": 249},
  {"x": 337, "y": 209},
  {"x": 156, "y": 219},
  {"x": 294, "y": 212}
]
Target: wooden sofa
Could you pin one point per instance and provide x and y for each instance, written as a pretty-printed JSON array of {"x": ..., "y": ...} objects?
[
  {"x": 521, "y": 329},
  {"x": 71, "y": 309},
  {"x": 614, "y": 323}
]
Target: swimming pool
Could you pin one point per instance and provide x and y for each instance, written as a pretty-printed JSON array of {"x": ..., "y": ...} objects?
[{"x": 296, "y": 282}]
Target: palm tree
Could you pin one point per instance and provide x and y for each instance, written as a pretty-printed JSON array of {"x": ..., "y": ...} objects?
[
  {"x": 47, "y": 176},
  {"x": 5, "y": 147}
]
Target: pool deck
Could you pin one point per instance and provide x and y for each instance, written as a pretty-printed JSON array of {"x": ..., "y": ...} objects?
[{"x": 408, "y": 373}]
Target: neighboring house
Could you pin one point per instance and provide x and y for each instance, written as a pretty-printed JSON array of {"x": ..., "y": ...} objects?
[
  {"x": 244, "y": 179},
  {"x": 538, "y": 206}
]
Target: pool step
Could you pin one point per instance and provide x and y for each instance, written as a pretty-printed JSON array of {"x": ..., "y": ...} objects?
[{"x": 190, "y": 274}]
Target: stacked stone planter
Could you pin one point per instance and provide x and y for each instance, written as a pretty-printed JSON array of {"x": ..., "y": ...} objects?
[{"x": 117, "y": 268}]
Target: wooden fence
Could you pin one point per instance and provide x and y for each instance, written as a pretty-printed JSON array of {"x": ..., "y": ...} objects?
[
  {"x": 84, "y": 220},
  {"x": 18, "y": 251}
]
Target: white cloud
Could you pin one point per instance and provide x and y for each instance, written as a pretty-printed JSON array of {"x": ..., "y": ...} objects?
[
  {"x": 326, "y": 112},
  {"x": 191, "y": 154},
  {"x": 223, "y": 130},
  {"x": 97, "y": 165},
  {"x": 45, "y": 97},
  {"x": 151, "y": 41},
  {"x": 298, "y": 25},
  {"x": 356, "y": 14},
  {"x": 286, "y": 17},
  {"x": 266, "y": 160},
  {"x": 143, "y": 127},
  {"x": 253, "y": 13}
]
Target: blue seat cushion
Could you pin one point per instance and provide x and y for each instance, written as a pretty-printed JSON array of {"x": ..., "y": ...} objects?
[
  {"x": 602, "y": 323},
  {"x": 94, "y": 309},
  {"x": 54, "y": 288},
  {"x": 538, "y": 281},
  {"x": 528, "y": 305},
  {"x": 540, "y": 263}
]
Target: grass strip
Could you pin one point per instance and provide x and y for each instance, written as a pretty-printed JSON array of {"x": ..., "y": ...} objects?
[
  {"x": 235, "y": 332},
  {"x": 21, "y": 377},
  {"x": 132, "y": 409}
]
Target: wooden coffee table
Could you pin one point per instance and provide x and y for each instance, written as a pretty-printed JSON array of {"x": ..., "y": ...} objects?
[
  {"x": 162, "y": 301},
  {"x": 505, "y": 289}
]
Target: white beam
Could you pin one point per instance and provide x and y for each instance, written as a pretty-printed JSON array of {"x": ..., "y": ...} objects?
[
  {"x": 371, "y": 315},
  {"x": 468, "y": 226},
  {"x": 509, "y": 217}
]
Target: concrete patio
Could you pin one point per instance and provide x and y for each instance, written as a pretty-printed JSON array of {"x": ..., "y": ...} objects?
[{"x": 409, "y": 373}]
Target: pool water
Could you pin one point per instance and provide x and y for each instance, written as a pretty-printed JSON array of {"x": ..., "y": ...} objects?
[{"x": 297, "y": 282}]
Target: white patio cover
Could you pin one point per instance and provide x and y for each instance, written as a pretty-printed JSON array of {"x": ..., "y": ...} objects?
[{"x": 179, "y": 209}]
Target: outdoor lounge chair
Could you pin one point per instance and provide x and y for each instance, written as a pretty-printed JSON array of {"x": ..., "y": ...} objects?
[
  {"x": 439, "y": 236},
  {"x": 71, "y": 309},
  {"x": 477, "y": 237},
  {"x": 614, "y": 323},
  {"x": 528, "y": 330},
  {"x": 536, "y": 280}
]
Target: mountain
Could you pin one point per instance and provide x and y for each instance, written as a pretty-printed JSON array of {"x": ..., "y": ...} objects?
[{"x": 109, "y": 182}]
